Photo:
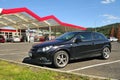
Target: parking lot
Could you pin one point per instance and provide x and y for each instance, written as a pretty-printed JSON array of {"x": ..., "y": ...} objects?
[{"x": 93, "y": 66}]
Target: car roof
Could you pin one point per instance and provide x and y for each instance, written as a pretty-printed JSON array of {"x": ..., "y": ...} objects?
[
  {"x": 84, "y": 31},
  {"x": 88, "y": 32}
]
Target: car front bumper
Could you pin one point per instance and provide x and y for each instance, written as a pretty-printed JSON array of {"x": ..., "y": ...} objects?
[{"x": 41, "y": 58}]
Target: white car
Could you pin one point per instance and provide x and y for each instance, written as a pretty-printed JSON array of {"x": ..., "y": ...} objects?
[
  {"x": 16, "y": 39},
  {"x": 113, "y": 39}
]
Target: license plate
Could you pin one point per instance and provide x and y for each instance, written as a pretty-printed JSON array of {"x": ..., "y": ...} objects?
[{"x": 30, "y": 54}]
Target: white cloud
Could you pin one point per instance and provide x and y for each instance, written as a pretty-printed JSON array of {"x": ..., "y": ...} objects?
[
  {"x": 110, "y": 18},
  {"x": 107, "y": 1},
  {"x": 107, "y": 21}
]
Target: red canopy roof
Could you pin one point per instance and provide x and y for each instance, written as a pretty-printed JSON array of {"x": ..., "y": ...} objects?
[{"x": 46, "y": 18}]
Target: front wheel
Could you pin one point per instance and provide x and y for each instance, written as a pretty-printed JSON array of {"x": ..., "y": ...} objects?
[
  {"x": 61, "y": 59},
  {"x": 105, "y": 53}
]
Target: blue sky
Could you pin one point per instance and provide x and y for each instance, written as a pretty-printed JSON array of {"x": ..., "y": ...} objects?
[{"x": 86, "y": 13}]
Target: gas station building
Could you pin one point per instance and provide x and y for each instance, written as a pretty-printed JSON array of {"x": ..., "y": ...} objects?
[{"x": 26, "y": 22}]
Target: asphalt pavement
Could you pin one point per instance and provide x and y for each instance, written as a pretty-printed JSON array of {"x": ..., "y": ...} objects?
[{"x": 92, "y": 66}]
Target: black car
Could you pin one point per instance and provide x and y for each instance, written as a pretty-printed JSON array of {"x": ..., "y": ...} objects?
[{"x": 70, "y": 46}]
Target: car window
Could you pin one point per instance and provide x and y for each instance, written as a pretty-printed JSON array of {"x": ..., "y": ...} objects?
[
  {"x": 85, "y": 36},
  {"x": 67, "y": 36},
  {"x": 1, "y": 36},
  {"x": 98, "y": 36}
]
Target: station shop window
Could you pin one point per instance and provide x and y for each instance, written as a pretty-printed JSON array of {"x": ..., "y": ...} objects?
[
  {"x": 6, "y": 33},
  {"x": 2, "y": 33},
  {"x": 10, "y": 34}
]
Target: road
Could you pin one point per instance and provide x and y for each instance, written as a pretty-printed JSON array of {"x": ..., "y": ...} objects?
[{"x": 95, "y": 67}]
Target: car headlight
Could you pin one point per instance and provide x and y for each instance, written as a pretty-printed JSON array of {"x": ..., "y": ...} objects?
[{"x": 44, "y": 49}]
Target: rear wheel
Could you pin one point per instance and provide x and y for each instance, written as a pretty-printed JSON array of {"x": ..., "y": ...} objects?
[
  {"x": 61, "y": 59},
  {"x": 105, "y": 53}
]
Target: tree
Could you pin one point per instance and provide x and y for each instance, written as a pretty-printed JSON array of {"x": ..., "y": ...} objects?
[
  {"x": 118, "y": 33},
  {"x": 112, "y": 33}
]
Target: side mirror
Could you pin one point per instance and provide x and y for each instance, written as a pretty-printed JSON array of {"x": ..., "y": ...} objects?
[{"x": 77, "y": 40}]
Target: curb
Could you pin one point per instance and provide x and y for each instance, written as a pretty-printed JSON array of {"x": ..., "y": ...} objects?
[{"x": 56, "y": 70}]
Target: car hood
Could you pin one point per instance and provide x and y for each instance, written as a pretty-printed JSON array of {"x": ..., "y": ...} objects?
[{"x": 51, "y": 43}]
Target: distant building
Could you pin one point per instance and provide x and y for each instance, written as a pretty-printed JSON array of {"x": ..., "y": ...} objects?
[{"x": 9, "y": 32}]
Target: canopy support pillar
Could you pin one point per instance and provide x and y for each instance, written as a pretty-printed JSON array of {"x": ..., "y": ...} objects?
[{"x": 50, "y": 30}]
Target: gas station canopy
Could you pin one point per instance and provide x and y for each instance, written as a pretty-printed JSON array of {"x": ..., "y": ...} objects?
[{"x": 23, "y": 18}]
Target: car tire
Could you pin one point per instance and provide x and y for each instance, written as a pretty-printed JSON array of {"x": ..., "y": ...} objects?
[
  {"x": 105, "y": 53},
  {"x": 60, "y": 59}
]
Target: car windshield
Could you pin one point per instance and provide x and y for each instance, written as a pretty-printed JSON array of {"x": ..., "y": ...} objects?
[
  {"x": 67, "y": 36},
  {"x": 1, "y": 36}
]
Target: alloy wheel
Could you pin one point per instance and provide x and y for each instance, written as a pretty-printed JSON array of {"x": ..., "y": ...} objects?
[
  {"x": 106, "y": 53},
  {"x": 61, "y": 59}
]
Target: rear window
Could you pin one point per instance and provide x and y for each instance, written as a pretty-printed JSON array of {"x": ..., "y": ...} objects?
[
  {"x": 98, "y": 36},
  {"x": 1, "y": 36}
]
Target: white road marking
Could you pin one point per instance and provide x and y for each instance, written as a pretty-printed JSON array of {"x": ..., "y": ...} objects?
[
  {"x": 91, "y": 66},
  {"x": 8, "y": 50},
  {"x": 12, "y": 53}
]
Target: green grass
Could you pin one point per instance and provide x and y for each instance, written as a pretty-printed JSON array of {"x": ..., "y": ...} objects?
[{"x": 11, "y": 71}]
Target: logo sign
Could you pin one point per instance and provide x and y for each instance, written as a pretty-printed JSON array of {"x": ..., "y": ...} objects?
[{"x": 1, "y": 10}]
